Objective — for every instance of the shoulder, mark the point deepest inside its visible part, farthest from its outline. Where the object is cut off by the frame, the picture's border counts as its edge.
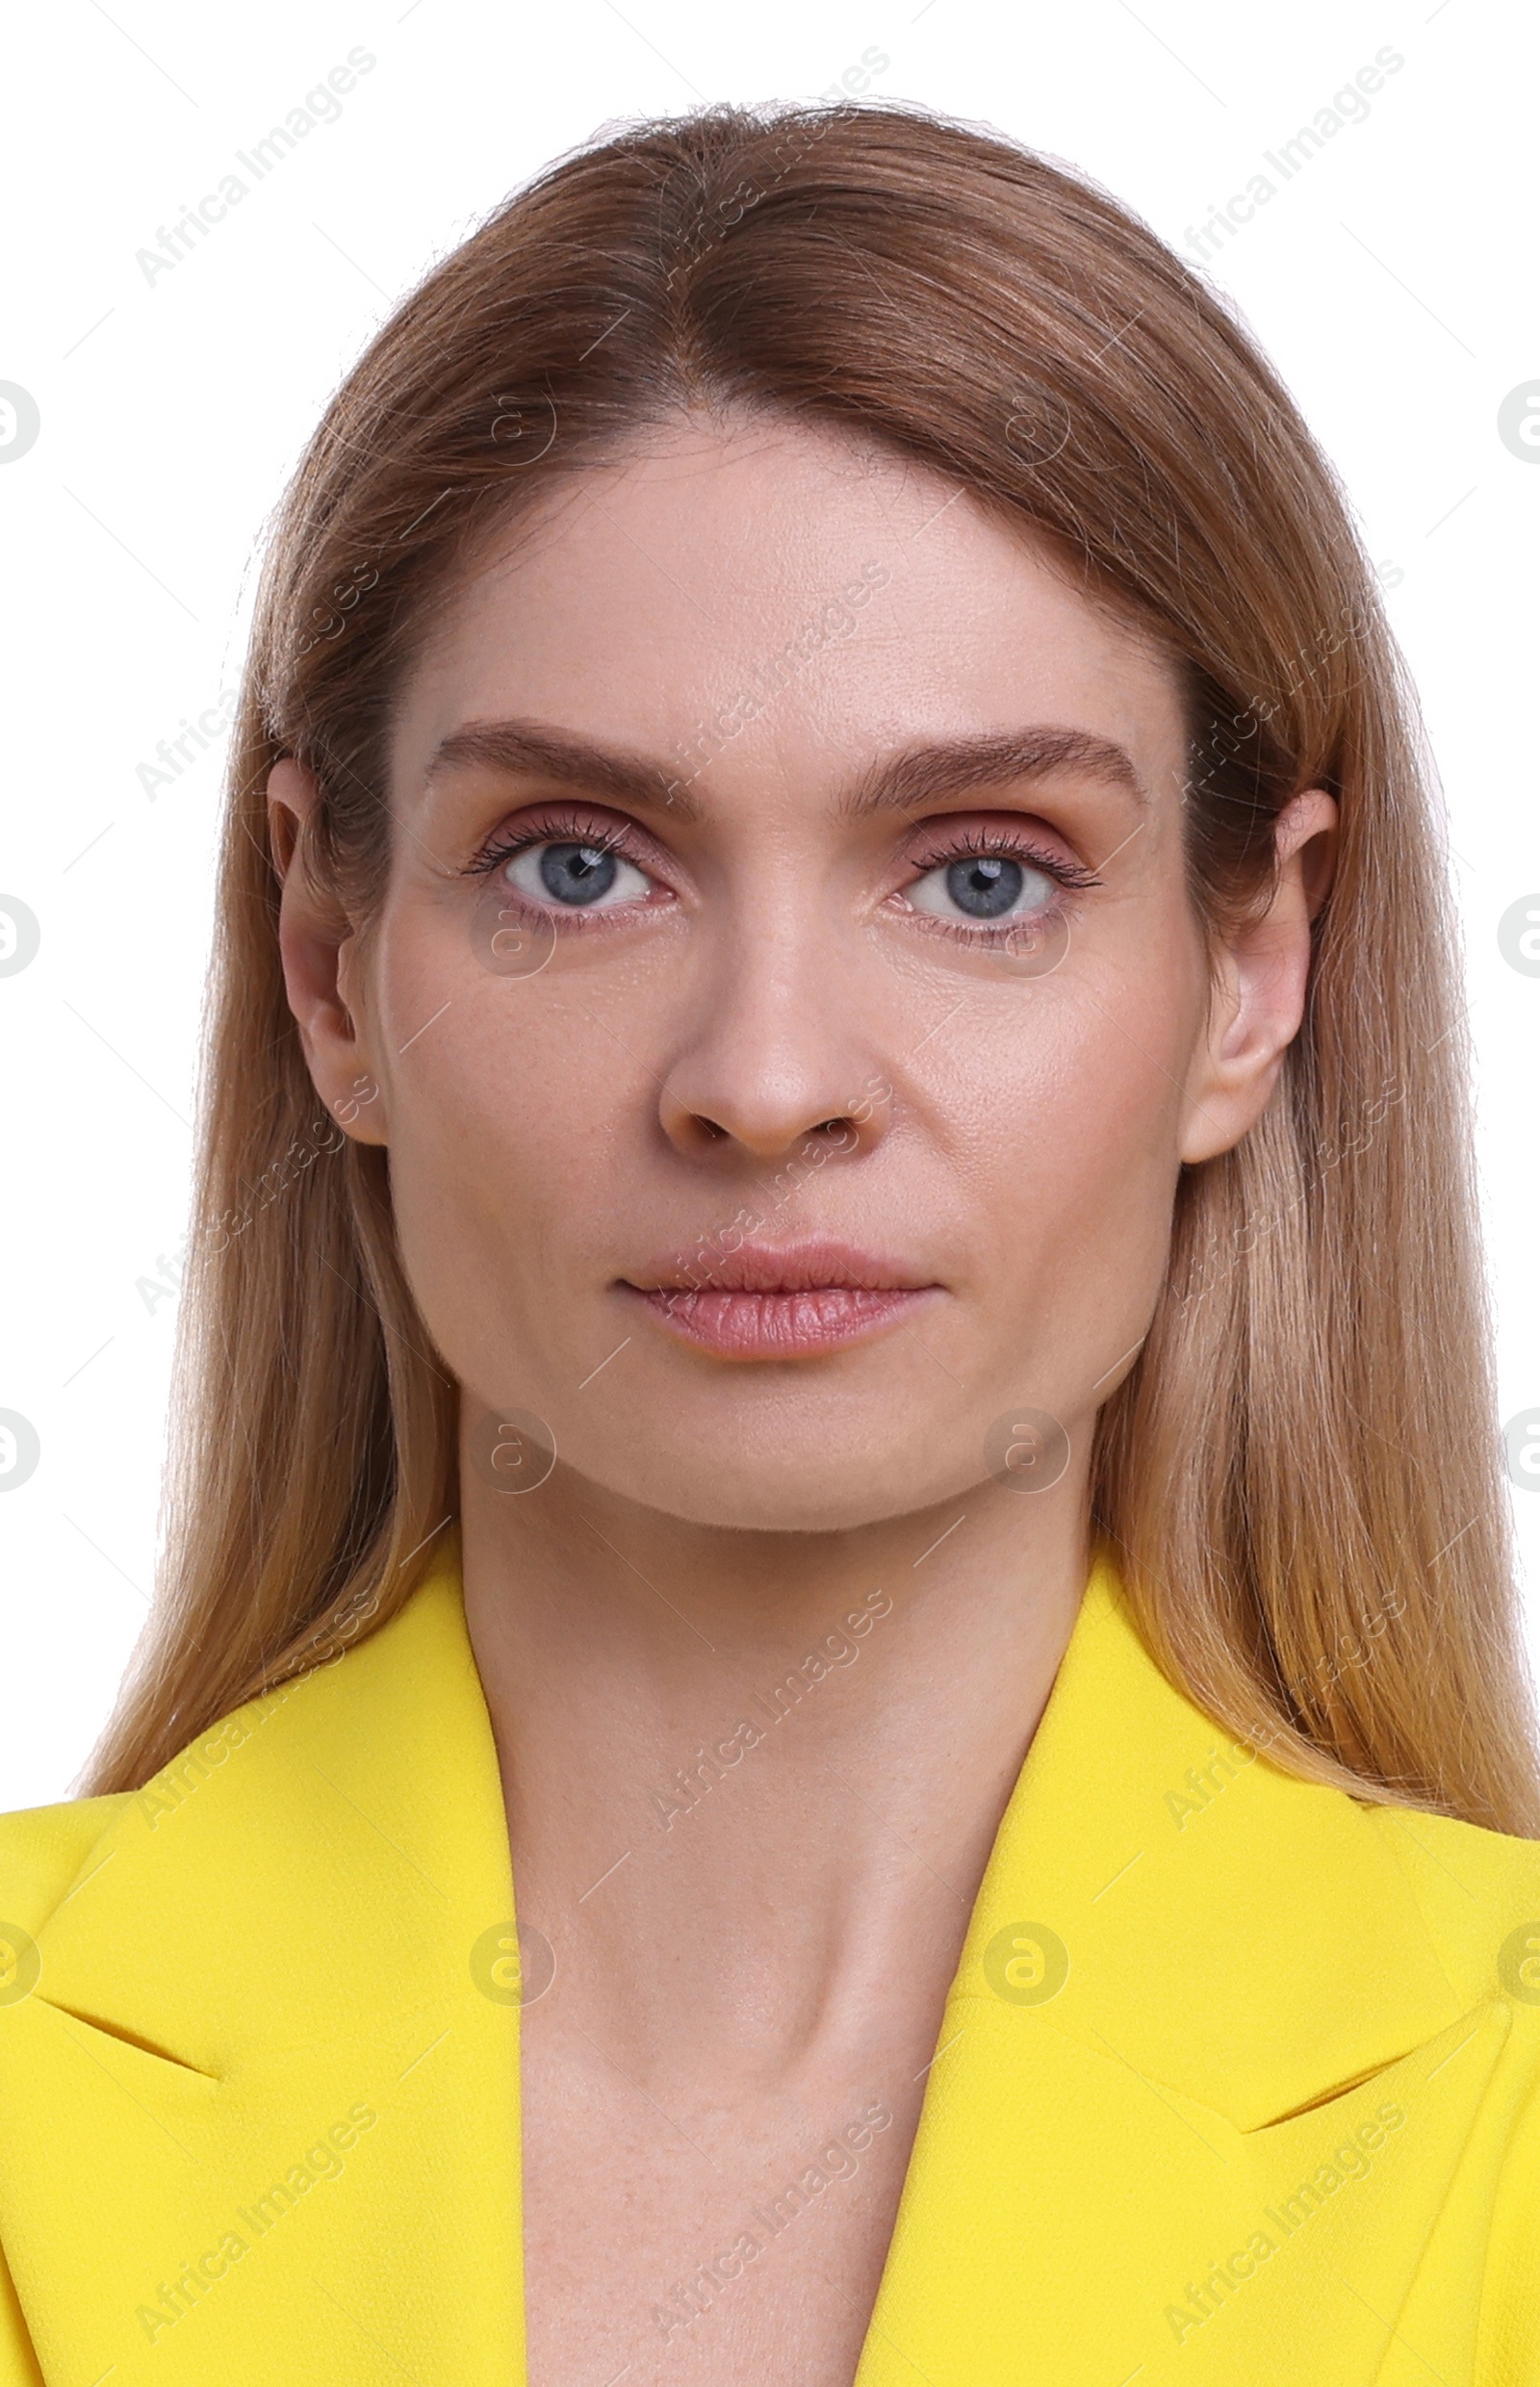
(45, 1851)
(1478, 1894)
(375, 1689)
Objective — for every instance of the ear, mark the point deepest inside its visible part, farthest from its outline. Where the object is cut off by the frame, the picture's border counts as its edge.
(1259, 999)
(319, 945)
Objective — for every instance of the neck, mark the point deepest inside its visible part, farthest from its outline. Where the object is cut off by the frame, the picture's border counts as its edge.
(752, 1780)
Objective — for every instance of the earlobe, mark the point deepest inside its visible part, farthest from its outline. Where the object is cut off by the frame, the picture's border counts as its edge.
(315, 939)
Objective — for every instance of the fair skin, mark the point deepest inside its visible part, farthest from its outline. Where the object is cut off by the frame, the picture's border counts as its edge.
(774, 1022)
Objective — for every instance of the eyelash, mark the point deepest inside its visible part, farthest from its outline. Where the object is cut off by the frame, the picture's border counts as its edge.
(1069, 878)
(553, 829)
(557, 828)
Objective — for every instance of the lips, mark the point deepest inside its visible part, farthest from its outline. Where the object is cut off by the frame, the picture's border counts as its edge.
(779, 1301)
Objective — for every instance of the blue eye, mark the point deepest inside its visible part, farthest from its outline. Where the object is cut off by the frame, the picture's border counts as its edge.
(574, 875)
(577, 874)
(983, 888)
(986, 886)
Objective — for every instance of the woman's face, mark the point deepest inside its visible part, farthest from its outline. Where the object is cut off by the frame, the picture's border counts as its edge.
(787, 1015)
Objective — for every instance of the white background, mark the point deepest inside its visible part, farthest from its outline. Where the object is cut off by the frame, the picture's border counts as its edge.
(1391, 279)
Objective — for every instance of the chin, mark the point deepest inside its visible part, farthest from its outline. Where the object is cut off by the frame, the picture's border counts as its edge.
(781, 1487)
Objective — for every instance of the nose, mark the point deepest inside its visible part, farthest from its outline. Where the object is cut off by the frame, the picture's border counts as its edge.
(776, 1054)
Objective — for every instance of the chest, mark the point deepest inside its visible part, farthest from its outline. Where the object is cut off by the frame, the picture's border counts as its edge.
(740, 2237)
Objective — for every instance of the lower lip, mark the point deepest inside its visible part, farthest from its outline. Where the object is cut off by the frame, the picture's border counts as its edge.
(779, 1325)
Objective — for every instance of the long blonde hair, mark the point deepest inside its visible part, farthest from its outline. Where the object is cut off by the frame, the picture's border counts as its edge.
(1299, 1477)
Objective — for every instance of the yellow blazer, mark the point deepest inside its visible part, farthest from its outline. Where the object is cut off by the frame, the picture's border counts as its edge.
(1236, 2082)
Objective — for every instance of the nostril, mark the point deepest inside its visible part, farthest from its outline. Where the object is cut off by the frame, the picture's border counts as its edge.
(700, 1130)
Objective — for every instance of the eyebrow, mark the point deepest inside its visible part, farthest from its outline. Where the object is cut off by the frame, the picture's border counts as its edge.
(907, 782)
(532, 751)
(902, 783)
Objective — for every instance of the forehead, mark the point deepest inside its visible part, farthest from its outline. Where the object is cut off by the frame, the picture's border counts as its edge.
(842, 598)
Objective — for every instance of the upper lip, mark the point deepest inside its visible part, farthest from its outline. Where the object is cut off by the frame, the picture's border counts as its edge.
(779, 1268)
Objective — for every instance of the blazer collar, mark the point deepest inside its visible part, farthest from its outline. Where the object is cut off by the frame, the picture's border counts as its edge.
(308, 1868)
(1177, 1955)
(296, 1915)
(1193, 1889)
(259, 2117)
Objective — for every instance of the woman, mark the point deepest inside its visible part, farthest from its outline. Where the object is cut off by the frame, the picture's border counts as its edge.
(836, 1349)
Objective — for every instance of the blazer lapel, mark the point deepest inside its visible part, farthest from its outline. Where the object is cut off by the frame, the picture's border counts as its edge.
(1175, 1949)
(272, 2039)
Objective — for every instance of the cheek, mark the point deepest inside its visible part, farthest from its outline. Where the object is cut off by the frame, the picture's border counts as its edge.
(1077, 1094)
(504, 1122)
(1068, 1115)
